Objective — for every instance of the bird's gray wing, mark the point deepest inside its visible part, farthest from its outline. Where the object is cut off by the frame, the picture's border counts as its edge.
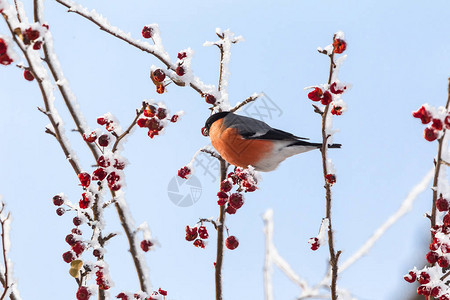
(251, 128)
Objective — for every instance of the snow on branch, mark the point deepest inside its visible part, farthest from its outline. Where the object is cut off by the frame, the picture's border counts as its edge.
(157, 49)
(404, 208)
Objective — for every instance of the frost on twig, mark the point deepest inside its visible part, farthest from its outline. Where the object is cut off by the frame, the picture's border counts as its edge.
(6, 274)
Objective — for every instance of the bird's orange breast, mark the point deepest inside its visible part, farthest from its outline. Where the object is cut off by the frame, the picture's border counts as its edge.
(235, 149)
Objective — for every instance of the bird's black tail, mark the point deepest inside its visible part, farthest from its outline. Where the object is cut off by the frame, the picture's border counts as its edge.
(317, 145)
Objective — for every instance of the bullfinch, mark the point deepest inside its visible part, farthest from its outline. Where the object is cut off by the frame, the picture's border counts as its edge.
(244, 141)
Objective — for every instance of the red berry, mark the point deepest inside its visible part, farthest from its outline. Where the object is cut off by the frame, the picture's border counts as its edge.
(70, 239)
(162, 292)
(154, 124)
(443, 262)
(221, 202)
(222, 195)
(236, 200)
(191, 233)
(103, 162)
(102, 121)
(119, 165)
(3, 46)
(112, 178)
(330, 178)
(174, 119)
(445, 297)
(316, 94)
(327, 98)
(28, 75)
(103, 140)
(84, 203)
(436, 124)
(76, 231)
(145, 245)
(335, 90)
(160, 89)
(423, 115)
(83, 293)
(30, 34)
(45, 26)
(142, 122)
(423, 278)
(226, 186)
(336, 110)
(68, 256)
(162, 113)
(339, 46)
(442, 204)
(447, 122)
(204, 132)
(230, 209)
(203, 233)
(199, 243)
(77, 221)
(184, 172)
(147, 32)
(122, 296)
(182, 55)
(5, 59)
(430, 134)
(435, 291)
(37, 45)
(424, 290)
(180, 71)
(91, 138)
(432, 257)
(315, 244)
(78, 248)
(446, 220)
(60, 211)
(58, 200)
(85, 179)
(99, 174)
(231, 242)
(158, 75)
(150, 111)
(210, 99)
(410, 277)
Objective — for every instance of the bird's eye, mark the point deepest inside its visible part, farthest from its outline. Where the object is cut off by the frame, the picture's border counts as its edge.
(205, 131)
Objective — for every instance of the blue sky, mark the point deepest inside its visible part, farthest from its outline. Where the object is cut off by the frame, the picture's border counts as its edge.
(398, 58)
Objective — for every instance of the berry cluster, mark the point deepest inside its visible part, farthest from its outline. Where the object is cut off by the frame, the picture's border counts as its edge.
(437, 120)
(5, 59)
(156, 295)
(101, 279)
(198, 235)
(430, 278)
(245, 180)
(181, 59)
(155, 119)
(330, 178)
(325, 96)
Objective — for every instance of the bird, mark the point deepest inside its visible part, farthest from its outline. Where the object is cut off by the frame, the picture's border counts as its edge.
(243, 141)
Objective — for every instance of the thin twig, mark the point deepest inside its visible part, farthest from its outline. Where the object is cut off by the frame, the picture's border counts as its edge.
(6, 285)
(123, 36)
(438, 168)
(208, 220)
(220, 237)
(212, 153)
(124, 134)
(246, 101)
(333, 255)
